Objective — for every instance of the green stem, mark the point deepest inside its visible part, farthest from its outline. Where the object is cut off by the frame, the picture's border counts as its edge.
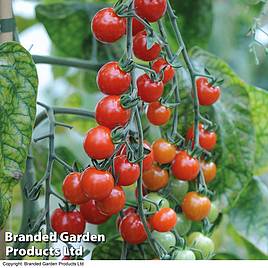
(69, 62)
(61, 110)
(190, 68)
(30, 208)
(175, 119)
(139, 186)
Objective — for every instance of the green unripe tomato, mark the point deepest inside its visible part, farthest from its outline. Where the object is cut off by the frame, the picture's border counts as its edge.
(183, 225)
(179, 189)
(156, 198)
(202, 246)
(183, 255)
(166, 240)
(214, 213)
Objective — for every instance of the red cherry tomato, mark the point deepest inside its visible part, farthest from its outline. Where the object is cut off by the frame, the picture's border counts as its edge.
(132, 229)
(92, 214)
(140, 47)
(98, 143)
(110, 113)
(168, 71)
(71, 222)
(164, 220)
(155, 178)
(148, 90)
(127, 173)
(113, 203)
(185, 167)
(207, 139)
(72, 189)
(209, 170)
(158, 114)
(151, 10)
(137, 26)
(112, 80)
(97, 184)
(164, 152)
(107, 27)
(126, 212)
(195, 206)
(207, 94)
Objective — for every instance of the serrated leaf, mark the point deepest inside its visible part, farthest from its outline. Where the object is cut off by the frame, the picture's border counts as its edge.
(18, 91)
(236, 135)
(250, 216)
(111, 250)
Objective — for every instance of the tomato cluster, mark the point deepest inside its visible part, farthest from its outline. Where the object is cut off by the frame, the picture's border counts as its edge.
(168, 170)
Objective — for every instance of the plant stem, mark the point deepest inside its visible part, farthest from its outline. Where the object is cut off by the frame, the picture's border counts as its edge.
(30, 208)
(190, 68)
(69, 62)
(137, 118)
(62, 110)
(170, 57)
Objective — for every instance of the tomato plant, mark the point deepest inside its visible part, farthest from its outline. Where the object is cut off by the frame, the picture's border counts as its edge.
(174, 155)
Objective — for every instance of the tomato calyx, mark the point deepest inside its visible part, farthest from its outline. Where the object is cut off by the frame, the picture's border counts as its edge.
(67, 207)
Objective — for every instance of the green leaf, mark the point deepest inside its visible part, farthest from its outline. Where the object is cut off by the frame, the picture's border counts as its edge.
(195, 20)
(68, 25)
(235, 151)
(24, 23)
(18, 91)
(259, 111)
(250, 218)
(111, 250)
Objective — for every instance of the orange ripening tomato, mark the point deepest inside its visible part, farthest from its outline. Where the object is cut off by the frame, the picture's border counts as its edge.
(209, 170)
(155, 178)
(164, 152)
(164, 220)
(195, 206)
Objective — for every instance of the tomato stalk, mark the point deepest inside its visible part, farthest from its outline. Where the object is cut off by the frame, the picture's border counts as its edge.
(137, 118)
(82, 64)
